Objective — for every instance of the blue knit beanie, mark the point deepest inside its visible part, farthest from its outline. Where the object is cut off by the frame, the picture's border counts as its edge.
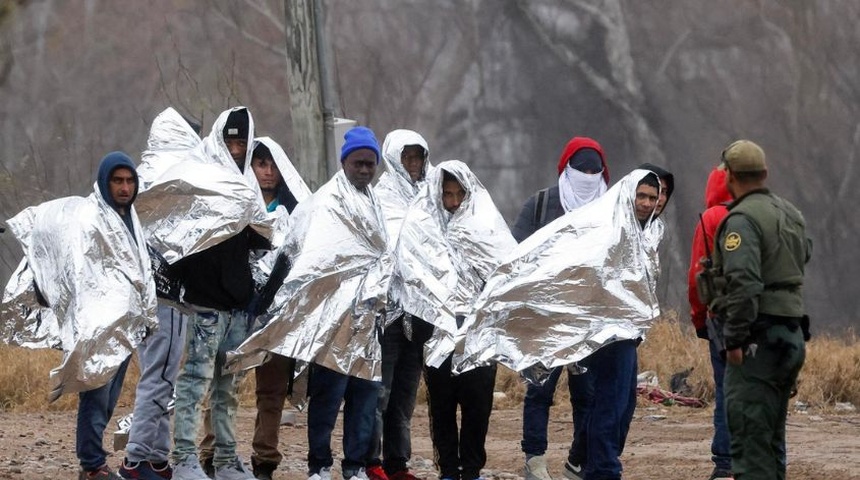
(357, 138)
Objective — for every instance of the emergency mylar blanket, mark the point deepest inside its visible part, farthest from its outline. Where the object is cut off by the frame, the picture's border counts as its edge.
(294, 182)
(443, 259)
(395, 190)
(583, 281)
(327, 309)
(192, 195)
(96, 280)
(26, 323)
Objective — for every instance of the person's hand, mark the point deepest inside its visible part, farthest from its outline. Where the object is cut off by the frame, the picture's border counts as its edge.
(735, 356)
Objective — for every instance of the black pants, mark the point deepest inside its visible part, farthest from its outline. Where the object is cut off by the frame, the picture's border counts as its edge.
(460, 456)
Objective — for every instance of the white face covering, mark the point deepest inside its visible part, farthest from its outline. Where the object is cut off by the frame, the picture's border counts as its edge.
(577, 188)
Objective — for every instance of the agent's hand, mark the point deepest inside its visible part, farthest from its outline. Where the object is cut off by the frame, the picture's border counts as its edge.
(735, 356)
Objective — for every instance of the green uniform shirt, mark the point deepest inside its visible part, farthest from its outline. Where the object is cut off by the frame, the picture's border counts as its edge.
(761, 251)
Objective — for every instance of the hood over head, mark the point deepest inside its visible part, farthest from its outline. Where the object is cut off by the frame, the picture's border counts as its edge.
(716, 191)
(108, 164)
(216, 147)
(393, 146)
(289, 175)
(663, 174)
(578, 143)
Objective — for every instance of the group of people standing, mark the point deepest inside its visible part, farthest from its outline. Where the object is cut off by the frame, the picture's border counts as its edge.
(366, 288)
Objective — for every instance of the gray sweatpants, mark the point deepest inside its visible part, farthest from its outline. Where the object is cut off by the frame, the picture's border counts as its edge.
(159, 356)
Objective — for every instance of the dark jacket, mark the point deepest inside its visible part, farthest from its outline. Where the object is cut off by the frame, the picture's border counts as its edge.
(545, 206)
(220, 276)
(286, 198)
(534, 216)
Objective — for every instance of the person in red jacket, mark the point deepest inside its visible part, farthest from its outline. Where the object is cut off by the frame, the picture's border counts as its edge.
(717, 197)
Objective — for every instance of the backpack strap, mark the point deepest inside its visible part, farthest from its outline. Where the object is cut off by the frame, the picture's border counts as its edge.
(541, 207)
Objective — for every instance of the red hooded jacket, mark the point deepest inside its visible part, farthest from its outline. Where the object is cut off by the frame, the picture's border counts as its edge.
(717, 196)
(577, 143)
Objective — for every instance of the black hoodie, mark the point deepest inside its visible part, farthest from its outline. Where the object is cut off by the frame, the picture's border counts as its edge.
(663, 175)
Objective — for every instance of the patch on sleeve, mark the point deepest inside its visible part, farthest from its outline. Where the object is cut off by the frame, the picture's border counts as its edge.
(733, 241)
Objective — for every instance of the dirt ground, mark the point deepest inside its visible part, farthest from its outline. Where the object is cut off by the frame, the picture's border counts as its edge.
(670, 443)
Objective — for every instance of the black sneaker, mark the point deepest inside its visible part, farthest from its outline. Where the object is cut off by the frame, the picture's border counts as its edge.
(263, 470)
(573, 472)
(208, 467)
(140, 470)
(721, 475)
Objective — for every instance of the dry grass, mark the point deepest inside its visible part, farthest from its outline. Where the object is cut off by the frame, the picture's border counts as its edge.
(831, 373)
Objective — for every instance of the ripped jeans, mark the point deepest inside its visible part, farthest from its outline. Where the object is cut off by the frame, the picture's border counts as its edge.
(210, 336)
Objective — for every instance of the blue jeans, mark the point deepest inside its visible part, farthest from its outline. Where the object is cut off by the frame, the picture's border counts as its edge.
(613, 369)
(327, 389)
(95, 407)
(209, 337)
(721, 452)
(536, 406)
(402, 364)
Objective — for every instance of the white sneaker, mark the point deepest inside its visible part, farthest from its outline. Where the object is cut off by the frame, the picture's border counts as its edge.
(359, 475)
(235, 470)
(324, 474)
(573, 472)
(536, 468)
(189, 469)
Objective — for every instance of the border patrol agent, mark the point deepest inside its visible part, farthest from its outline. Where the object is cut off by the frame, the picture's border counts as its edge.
(759, 259)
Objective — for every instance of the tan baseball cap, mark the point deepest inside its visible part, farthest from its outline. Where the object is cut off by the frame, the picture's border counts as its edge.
(744, 156)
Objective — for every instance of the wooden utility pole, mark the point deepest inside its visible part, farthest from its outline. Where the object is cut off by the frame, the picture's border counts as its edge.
(307, 79)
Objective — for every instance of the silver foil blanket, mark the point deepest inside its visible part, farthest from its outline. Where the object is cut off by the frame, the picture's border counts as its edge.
(192, 194)
(395, 190)
(26, 322)
(263, 262)
(443, 259)
(96, 280)
(328, 310)
(581, 282)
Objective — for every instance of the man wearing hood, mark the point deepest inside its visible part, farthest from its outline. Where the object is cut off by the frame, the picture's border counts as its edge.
(667, 186)
(452, 238)
(717, 198)
(406, 157)
(583, 177)
(218, 288)
(271, 166)
(117, 185)
(275, 190)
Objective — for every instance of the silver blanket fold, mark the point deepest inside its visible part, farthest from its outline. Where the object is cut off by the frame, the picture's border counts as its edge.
(442, 260)
(262, 262)
(585, 280)
(192, 195)
(97, 281)
(395, 190)
(26, 323)
(294, 182)
(327, 309)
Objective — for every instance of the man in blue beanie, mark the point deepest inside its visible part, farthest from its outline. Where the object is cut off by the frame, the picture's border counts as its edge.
(359, 157)
(329, 387)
